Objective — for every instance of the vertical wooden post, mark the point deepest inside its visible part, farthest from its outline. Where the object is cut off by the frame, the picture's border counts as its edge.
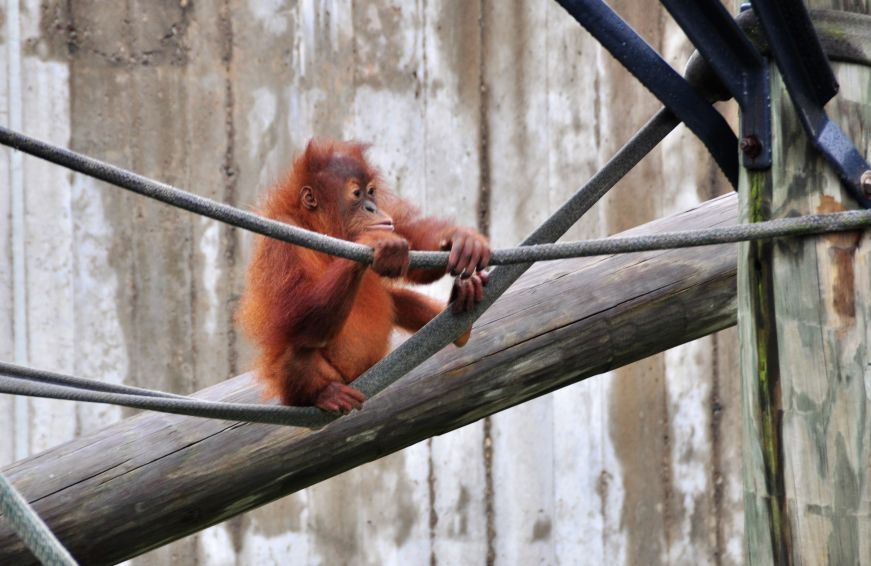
(804, 321)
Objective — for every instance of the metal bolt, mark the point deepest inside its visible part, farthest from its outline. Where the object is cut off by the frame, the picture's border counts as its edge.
(865, 181)
(750, 146)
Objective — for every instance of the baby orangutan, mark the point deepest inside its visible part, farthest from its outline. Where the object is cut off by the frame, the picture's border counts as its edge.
(320, 321)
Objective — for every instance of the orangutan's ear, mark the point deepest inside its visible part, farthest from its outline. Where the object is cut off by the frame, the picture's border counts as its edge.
(307, 195)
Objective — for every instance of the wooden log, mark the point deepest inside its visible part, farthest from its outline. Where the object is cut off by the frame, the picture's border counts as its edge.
(803, 321)
(154, 478)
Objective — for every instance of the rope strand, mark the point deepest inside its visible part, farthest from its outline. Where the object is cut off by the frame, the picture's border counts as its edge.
(32, 530)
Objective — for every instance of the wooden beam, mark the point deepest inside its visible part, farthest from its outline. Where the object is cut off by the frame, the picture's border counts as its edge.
(804, 316)
(154, 478)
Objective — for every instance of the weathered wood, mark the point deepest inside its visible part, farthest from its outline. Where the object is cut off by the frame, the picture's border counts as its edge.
(154, 478)
(803, 320)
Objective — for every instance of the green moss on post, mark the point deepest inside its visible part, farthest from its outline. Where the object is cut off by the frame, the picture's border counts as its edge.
(804, 316)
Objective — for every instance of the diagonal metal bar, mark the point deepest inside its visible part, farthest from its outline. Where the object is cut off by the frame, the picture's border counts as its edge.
(796, 47)
(811, 83)
(738, 65)
(657, 76)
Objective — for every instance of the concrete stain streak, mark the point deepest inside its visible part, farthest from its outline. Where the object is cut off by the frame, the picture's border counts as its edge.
(716, 476)
(483, 207)
(431, 495)
(489, 493)
(229, 168)
(229, 236)
(483, 131)
(667, 472)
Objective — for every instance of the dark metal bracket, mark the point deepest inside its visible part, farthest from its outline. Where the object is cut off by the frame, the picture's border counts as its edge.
(665, 83)
(744, 73)
(738, 65)
(811, 83)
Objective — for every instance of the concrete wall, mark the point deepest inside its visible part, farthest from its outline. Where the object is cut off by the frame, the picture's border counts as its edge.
(490, 112)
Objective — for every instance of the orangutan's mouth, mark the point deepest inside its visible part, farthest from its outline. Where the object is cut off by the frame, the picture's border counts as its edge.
(387, 225)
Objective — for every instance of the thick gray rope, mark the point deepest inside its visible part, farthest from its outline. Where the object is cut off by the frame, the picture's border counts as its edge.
(20, 380)
(769, 229)
(32, 530)
(182, 199)
(51, 378)
(243, 412)
(237, 217)
(431, 338)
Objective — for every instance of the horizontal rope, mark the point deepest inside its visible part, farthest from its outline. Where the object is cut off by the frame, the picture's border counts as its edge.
(419, 259)
(30, 527)
(778, 228)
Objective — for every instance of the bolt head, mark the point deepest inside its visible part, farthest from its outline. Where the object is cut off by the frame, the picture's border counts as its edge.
(750, 146)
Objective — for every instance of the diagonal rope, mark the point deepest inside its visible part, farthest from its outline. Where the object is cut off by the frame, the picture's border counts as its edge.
(182, 199)
(427, 341)
(447, 326)
(32, 530)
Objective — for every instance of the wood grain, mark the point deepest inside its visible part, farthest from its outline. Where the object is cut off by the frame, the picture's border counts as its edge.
(154, 478)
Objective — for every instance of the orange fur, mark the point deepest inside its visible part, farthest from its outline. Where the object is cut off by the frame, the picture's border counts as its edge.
(317, 319)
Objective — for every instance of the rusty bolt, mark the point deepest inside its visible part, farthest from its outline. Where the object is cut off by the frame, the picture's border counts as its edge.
(750, 146)
(865, 181)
